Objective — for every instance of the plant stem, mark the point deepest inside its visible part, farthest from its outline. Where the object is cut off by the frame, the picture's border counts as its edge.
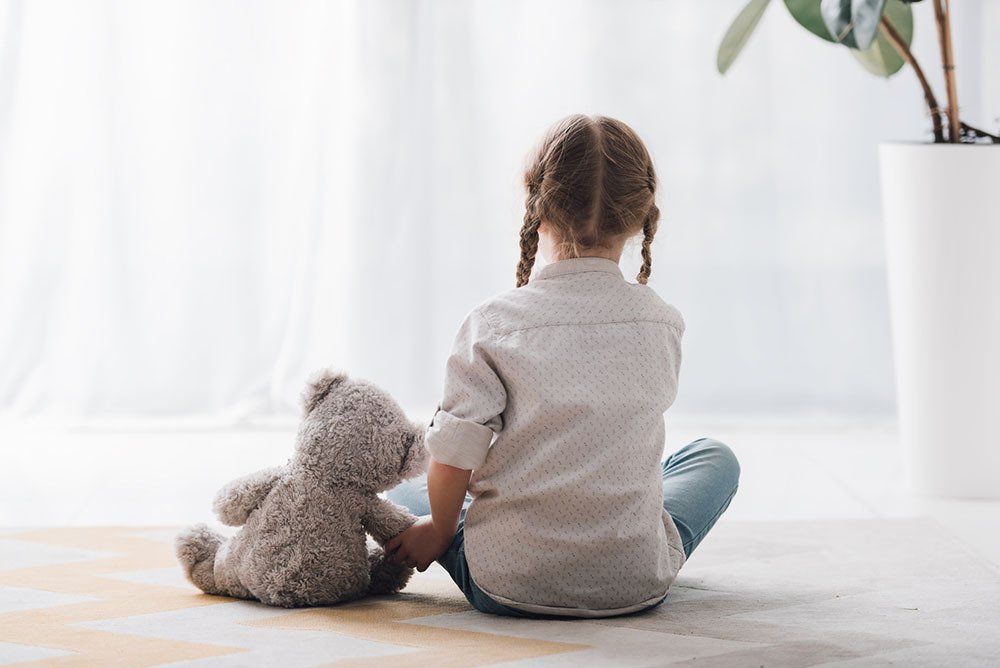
(942, 17)
(899, 44)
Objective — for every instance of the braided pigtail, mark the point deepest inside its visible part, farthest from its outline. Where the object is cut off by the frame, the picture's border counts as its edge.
(529, 247)
(648, 230)
(649, 225)
(532, 221)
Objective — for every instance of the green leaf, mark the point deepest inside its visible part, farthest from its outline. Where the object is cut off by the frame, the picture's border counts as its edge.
(739, 32)
(807, 13)
(853, 23)
(881, 57)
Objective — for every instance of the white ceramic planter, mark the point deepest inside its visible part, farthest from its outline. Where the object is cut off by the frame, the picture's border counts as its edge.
(941, 205)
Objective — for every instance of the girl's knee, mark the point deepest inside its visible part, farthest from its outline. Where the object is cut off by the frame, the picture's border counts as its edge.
(412, 495)
(722, 457)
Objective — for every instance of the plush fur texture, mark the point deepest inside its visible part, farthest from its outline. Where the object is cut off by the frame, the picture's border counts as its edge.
(303, 537)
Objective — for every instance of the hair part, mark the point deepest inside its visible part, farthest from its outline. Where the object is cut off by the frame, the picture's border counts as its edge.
(592, 182)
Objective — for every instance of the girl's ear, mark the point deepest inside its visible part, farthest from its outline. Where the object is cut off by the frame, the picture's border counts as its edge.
(318, 387)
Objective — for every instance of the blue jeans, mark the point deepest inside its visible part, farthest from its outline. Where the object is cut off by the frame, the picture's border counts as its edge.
(699, 481)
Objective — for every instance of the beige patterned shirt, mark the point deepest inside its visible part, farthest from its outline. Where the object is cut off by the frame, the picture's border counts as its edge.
(554, 396)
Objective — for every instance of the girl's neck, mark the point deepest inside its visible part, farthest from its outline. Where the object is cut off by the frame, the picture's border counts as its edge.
(552, 249)
(613, 254)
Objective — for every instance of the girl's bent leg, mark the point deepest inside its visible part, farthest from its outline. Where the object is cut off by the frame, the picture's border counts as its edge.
(699, 481)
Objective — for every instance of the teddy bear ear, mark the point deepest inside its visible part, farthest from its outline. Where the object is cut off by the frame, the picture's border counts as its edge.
(320, 385)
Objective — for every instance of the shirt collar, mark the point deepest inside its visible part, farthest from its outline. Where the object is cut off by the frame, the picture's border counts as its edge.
(578, 265)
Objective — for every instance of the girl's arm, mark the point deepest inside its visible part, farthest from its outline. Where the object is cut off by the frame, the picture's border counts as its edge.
(446, 486)
(430, 536)
(458, 440)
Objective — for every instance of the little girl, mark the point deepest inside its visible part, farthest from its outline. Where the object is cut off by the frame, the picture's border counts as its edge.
(552, 416)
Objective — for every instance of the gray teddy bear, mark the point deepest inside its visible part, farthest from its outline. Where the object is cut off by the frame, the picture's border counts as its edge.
(303, 539)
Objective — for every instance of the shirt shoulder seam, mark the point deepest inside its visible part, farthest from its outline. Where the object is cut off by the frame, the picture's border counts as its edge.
(492, 332)
(575, 273)
(673, 325)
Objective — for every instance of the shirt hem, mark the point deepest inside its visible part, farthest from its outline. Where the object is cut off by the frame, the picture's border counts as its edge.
(559, 611)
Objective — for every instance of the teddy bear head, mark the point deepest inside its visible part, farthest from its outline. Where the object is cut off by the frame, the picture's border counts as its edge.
(355, 434)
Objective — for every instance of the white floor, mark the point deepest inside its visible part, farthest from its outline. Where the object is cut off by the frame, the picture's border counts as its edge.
(791, 472)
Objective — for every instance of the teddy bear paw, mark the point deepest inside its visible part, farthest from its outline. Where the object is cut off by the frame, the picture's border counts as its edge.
(196, 547)
(387, 577)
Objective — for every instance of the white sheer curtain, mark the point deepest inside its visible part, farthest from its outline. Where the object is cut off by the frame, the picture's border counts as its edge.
(201, 202)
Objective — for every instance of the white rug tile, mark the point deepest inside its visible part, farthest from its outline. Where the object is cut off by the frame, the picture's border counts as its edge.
(15, 653)
(164, 577)
(17, 599)
(22, 554)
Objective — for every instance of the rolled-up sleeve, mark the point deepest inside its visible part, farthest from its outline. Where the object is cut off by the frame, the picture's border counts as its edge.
(474, 399)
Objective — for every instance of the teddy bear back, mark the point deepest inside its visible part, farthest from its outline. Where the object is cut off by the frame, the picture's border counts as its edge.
(355, 434)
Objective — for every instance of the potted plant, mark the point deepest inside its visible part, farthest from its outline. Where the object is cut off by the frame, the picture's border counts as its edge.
(942, 217)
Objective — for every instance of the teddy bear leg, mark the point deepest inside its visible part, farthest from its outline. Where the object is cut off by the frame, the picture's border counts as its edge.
(387, 577)
(196, 547)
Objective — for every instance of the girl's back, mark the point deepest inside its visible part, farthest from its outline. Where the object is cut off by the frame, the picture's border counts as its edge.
(588, 363)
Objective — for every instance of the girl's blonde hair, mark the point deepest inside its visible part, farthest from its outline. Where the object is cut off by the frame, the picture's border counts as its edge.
(592, 181)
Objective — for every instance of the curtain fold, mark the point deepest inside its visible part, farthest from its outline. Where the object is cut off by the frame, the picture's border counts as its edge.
(201, 203)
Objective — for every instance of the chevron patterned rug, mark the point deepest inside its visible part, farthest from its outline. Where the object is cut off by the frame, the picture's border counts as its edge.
(850, 593)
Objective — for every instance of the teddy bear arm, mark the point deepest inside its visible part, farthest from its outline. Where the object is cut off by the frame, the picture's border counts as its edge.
(234, 502)
(383, 519)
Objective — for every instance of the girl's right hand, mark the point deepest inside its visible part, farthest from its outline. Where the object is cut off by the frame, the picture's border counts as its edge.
(419, 545)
